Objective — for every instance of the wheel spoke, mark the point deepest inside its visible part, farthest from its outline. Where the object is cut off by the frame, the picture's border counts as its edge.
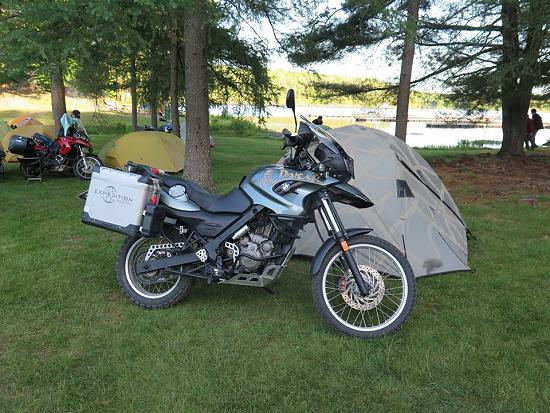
(382, 272)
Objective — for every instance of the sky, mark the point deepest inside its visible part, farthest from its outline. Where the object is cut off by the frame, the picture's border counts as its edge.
(364, 64)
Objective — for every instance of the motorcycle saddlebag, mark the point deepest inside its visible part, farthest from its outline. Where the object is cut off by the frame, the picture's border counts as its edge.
(20, 145)
(117, 200)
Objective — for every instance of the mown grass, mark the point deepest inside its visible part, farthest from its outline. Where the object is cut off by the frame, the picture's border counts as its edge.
(70, 341)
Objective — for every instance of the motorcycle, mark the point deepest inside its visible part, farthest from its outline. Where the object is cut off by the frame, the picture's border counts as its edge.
(66, 153)
(362, 285)
(163, 128)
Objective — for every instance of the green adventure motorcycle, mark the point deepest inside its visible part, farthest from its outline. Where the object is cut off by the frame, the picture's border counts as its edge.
(362, 285)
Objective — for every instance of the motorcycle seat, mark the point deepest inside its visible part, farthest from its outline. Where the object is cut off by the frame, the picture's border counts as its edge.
(234, 202)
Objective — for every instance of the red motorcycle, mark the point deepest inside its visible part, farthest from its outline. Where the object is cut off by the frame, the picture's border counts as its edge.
(65, 154)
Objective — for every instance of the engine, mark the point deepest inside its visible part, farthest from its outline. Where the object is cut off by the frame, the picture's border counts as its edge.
(260, 241)
(252, 245)
(252, 249)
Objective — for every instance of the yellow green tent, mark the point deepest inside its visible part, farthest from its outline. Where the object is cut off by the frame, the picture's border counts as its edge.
(157, 149)
(4, 128)
(26, 131)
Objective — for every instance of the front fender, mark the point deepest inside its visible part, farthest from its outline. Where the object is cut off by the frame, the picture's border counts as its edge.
(328, 244)
(83, 143)
(348, 194)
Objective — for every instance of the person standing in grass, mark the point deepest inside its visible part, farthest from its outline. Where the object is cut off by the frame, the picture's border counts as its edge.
(537, 125)
(530, 128)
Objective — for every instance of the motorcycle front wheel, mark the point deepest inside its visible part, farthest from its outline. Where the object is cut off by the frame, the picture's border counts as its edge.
(155, 289)
(83, 167)
(390, 279)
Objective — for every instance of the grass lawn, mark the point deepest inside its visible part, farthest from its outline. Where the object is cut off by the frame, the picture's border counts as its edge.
(70, 341)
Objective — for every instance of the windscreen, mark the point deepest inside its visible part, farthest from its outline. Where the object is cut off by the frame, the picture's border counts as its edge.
(322, 136)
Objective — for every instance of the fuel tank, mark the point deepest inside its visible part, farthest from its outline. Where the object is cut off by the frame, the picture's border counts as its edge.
(260, 185)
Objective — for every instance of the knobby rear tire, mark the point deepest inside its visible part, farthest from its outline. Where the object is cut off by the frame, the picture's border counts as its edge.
(127, 257)
(337, 299)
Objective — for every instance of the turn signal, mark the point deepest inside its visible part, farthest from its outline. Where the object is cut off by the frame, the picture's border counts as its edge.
(154, 199)
(344, 245)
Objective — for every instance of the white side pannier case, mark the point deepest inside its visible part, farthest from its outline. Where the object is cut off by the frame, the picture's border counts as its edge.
(116, 200)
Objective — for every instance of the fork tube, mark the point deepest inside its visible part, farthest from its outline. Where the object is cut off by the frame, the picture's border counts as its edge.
(82, 156)
(331, 217)
(325, 221)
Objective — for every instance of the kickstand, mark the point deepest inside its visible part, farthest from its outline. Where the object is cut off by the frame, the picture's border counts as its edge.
(270, 291)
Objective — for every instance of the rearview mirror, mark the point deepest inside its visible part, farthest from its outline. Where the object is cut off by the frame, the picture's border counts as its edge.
(291, 104)
(290, 99)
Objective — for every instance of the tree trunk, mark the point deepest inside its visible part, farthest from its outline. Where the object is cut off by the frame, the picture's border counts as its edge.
(154, 112)
(515, 108)
(174, 60)
(153, 92)
(516, 91)
(197, 148)
(57, 96)
(133, 91)
(407, 60)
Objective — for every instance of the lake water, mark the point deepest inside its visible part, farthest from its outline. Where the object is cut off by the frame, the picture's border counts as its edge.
(418, 135)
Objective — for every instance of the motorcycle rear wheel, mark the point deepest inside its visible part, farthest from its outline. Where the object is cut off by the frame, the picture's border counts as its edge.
(31, 169)
(83, 167)
(392, 289)
(152, 290)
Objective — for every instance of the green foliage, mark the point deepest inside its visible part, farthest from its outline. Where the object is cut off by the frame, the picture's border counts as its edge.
(116, 128)
(341, 90)
(340, 30)
(238, 72)
(475, 60)
(95, 43)
(37, 35)
(235, 126)
(479, 143)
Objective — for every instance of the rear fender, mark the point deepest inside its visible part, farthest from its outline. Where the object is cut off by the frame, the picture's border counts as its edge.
(328, 244)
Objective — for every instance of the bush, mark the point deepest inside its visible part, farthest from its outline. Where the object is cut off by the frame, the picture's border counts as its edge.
(477, 144)
(118, 128)
(227, 125)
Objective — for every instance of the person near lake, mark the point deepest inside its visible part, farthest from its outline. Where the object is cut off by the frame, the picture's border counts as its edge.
(537, 125)
(530, 128)
(318, 120)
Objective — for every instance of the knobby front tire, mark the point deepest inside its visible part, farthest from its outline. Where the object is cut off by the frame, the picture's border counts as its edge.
(392, 289)
(83, 167)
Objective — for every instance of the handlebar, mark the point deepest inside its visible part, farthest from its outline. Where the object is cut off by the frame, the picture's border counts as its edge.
(290, 140)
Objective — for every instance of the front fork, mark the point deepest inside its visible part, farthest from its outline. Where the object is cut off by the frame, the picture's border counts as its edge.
(81, 153)
(336, 229)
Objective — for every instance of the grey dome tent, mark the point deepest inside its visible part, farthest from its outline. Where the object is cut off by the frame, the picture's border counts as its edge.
(412, 208)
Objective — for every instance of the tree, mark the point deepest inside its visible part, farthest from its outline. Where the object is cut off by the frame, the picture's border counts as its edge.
(490, 51)
(174, 69)
(365, 24)
(34, 47)
(113, 48)
(197, 157)
(407, 59)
